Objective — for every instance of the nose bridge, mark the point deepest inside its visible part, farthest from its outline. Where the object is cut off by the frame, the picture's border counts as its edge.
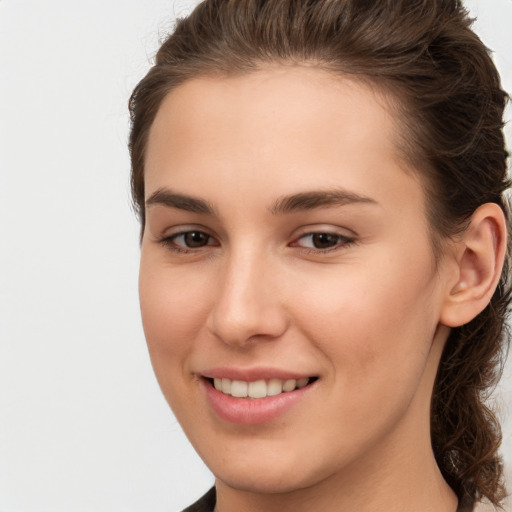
(247, 303)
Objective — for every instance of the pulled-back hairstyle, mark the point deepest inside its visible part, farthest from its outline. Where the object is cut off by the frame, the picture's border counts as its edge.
(447, 100)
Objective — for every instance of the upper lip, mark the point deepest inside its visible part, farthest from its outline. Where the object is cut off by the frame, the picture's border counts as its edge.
(253, 374)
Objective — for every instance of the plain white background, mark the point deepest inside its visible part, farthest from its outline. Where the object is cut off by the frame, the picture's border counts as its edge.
(83, 426)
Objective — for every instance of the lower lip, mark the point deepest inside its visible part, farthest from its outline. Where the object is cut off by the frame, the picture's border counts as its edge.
(246, 411)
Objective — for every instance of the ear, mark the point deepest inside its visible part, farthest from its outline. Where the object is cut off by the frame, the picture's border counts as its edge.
(480, 254)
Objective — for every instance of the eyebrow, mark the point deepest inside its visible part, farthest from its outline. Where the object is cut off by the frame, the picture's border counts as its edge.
(317, 199)
(302, 201)
(171, 199)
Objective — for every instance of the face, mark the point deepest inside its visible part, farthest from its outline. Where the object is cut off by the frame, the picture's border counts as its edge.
(289, 294)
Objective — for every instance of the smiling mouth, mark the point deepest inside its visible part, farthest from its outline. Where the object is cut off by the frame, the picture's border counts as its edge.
(259, 388)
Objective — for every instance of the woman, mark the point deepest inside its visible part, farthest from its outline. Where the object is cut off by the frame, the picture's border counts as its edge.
(323, 276)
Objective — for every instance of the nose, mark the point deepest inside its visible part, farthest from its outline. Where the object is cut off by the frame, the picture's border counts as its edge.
(248, 303)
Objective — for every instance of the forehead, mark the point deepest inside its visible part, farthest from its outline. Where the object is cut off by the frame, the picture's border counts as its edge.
(288, 128)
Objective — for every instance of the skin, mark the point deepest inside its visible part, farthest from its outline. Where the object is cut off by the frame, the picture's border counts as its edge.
(365, 316)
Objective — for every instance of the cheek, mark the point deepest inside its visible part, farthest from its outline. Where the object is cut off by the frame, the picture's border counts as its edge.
(173, 309)
(375, 327)
(377, 345)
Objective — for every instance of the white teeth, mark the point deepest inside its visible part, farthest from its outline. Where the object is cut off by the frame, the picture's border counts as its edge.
(289, 385)
(239, 388)
(274, 387)
(226, 386)
(258, 388)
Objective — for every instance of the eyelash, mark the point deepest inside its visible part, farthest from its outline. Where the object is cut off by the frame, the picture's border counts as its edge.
(342, 242)
(170, 241)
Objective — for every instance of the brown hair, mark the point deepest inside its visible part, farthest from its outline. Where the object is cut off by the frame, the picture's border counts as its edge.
(449, 103)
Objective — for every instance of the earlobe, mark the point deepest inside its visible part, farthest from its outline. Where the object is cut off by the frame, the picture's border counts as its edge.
(480, 257)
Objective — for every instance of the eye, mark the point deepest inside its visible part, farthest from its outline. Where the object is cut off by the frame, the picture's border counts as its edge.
(189, 240)
(192, 239)
(323, 241)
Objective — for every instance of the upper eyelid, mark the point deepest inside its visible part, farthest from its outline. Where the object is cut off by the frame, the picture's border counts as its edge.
(312, 233)
(180, 229)
(326, 231)
(324, 228)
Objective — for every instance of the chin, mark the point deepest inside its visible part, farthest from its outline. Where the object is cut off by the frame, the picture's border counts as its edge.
(274, 474)
(278, 482)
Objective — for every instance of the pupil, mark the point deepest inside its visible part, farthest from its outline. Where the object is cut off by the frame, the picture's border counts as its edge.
(196, 239)
(324, 240)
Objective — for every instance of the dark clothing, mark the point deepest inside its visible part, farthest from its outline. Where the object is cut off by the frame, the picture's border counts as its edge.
(204, 504)
(207, 503)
